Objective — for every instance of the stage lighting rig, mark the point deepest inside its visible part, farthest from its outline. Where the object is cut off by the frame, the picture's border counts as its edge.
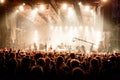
(2, 1)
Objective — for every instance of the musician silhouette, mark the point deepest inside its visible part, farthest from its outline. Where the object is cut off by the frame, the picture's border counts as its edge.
(35, 46)
(83, 48)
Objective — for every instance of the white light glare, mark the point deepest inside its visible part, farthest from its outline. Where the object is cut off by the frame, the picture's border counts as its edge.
(56, 28)
(23, 4)
(70, 11)
(75, 28)
(2, 1)
(87, 8)
(51, 27)
(66, 27)
(35, 36)
(92, 12)
(104, 0)
(35, 11)
(80, 3)
(21, 8)
(60, 28)
(17, 11)
(80, 27)
(98, 38)
(42, 7)
(64, 6)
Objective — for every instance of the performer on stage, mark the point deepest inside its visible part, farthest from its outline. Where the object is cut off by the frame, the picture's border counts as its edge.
(35, 46)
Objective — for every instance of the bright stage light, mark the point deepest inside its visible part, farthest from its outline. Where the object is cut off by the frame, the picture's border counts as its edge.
(42, 7)
(2, 1)
(21, 8)
(93, 31)
(86, 32)
(36, 36)
(75, 28)
(80, 3)
(98, 36)
(80, 27)
(70, 11)
(51, 27)
(70, 36)
(66, 27)
(56, 28)
(64, 6)
(35, 11)
(92, 12)
(23, 4)
(71, 28)
(104, 0)
(87, 8)
(71, 33)
(60, 28)
(17, 11)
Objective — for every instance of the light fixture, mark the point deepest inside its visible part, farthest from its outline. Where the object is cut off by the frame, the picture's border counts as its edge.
(104, 0)
(64, 6)
(42, 7)
(87, 8)
(80, 3)
(92, 12)
(35, 11)
(23, 4)
(21, 8)
(2, 1)
(70, 11)
(17, 11)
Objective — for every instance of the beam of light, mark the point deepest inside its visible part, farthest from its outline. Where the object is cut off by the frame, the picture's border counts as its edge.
(75, 28)
(87, 8)
(93, 31)
(71, 17)
(92, 12)
(80, 27)
(34, 12)
(42, 7)
(98, 36)
(71, 28)
(56, 28)
(51, 27)
(70, 36)
(86, 33)
(60, 28)
(66, 27)
(70, 11)
(94, 16)
(104, 0)
(36, 36)
(64, 6)
(23, 4)
(21, 8)
(17, 11)
(80, 4)
(2, 1)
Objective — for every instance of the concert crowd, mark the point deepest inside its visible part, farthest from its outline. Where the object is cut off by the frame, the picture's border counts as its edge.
(40, 65)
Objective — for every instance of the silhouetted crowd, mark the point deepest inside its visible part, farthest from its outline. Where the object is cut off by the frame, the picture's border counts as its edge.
(31, 65)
